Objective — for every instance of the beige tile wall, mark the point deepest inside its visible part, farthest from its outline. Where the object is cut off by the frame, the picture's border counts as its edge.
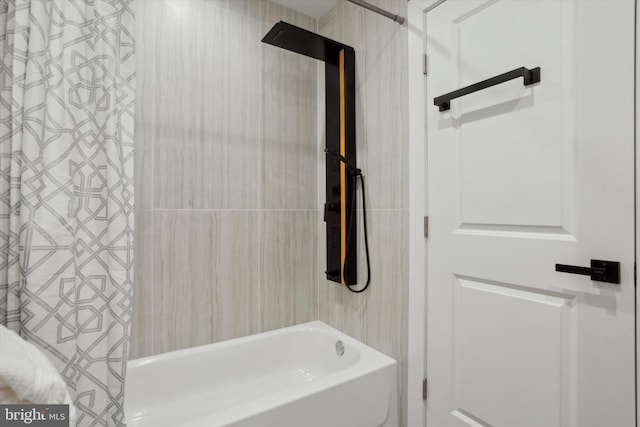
(226, 175)
(289, 105)
(230, 176)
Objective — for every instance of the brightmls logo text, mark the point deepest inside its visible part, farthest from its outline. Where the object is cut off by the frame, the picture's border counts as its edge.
(34, 415)
(26, 416)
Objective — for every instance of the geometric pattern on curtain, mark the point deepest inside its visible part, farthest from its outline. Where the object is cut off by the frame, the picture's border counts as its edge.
(67, 93)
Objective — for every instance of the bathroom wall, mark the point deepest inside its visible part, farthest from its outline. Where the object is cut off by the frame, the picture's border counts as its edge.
(378, 316)
(230, 176)
(226, 183)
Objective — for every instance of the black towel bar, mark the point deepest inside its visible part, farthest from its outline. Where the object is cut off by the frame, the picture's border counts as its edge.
(530, 76)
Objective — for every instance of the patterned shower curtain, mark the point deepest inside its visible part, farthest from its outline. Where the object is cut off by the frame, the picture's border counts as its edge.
(67, 83)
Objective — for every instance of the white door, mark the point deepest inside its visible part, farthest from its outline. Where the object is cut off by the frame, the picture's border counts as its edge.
(521, 178)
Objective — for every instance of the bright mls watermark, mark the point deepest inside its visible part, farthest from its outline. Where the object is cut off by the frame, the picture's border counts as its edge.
(34, 415)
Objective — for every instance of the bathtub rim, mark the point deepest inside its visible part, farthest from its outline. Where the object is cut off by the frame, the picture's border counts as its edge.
(371, 353)
(370, 362)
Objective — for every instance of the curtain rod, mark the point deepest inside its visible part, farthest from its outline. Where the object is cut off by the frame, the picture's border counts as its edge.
(376, 9)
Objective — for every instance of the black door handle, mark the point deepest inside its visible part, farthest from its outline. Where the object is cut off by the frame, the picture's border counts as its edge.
(600, 271)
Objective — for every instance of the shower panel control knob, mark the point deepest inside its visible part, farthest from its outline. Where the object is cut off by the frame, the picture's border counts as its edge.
(600, 271)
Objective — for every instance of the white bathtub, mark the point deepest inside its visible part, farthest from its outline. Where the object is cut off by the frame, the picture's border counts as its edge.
(291, 377)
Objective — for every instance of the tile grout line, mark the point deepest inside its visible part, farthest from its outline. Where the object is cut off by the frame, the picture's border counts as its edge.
(316, 313)
(152, 193)
(264, 210)
(261, 155)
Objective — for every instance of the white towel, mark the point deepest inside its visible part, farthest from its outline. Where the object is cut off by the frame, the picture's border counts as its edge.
(28, 376)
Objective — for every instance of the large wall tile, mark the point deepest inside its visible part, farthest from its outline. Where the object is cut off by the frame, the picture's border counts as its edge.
(289, 119)
(385, 299)
(178, 119)
(386, 157)
(206, 267)
(184, 292)
(207, 145)
(142, 321)
(146, 26)
(236, 271)
(387, 307)
(289, 245)
(232, 105)
(289, 129)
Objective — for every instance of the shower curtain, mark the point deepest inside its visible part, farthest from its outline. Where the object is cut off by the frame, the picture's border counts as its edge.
(67, 83)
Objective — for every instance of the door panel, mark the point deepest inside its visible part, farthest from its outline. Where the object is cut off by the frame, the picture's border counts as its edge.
(488, 336)
(521, 178)
(523, 186)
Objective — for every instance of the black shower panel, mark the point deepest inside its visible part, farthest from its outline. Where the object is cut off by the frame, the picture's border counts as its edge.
(340, 212)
